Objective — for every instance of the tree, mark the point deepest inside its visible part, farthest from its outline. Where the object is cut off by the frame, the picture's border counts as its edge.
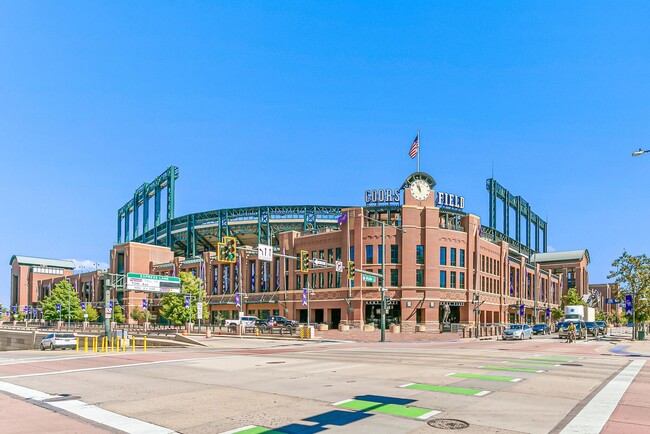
(64, 295)
(93, 315)
(118, 314)
(557, 314)
(601, 316)
(571, 298)
(632, 274)
(173, 305)
(137, 314)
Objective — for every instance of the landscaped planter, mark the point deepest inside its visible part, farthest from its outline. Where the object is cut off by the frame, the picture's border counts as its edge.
(369, 328)
(322, 327)
(420, 328)
(394, 328)
(344, 328)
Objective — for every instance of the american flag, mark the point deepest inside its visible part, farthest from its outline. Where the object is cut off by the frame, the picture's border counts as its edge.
(415, 147)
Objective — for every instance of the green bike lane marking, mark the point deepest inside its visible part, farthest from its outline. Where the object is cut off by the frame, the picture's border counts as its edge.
(447, 389)
(392, 409)
(484, 377)
(507, 368)
(523, 362)
(252, 429)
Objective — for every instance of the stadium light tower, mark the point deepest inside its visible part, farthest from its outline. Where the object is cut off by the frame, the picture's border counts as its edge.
(640, 152)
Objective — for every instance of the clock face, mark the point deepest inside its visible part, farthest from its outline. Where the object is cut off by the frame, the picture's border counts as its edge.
(420, 189)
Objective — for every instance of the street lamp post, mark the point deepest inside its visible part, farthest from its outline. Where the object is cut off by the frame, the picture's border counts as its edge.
(382, 290)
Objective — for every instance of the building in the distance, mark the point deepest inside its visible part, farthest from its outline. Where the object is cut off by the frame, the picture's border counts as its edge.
(438, 261)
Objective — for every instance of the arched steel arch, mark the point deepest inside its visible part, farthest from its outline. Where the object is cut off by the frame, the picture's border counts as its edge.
(192, 234)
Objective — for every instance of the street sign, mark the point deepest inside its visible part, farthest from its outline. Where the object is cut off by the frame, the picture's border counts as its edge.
(83, 305)
(264, 252)
(628, 305)
(152, 283)
(199, 310)
(522, 310)
(187, 301)
(110, 304)
(610, 301)
(58, 307)
(144, 303)
(319, 262)
(339, 266)
(369, 278)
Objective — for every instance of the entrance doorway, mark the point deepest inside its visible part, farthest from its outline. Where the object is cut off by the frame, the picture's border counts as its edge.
(335, 317)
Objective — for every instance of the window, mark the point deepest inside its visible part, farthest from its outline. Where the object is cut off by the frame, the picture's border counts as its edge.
(419, 277)
(443, 256)
(443, 279)
(351, 253)
(338, 280)
(298, 281)
(380, 254)
(462, 257)
(330, 255)
(452, 279)
(461, 280)
(321, 254)
(394, 251)
(313, 280)
(338, 253)
(419, 254)
(482, 263)
(330, 279)
(120, 262)
(369, 254)
(394, 277)
(452, 257)
(321, 280)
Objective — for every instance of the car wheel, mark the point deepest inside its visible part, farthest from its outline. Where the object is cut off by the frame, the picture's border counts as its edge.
(52, 347)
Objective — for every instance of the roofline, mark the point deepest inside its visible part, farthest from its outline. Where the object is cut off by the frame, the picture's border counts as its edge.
(36, 257)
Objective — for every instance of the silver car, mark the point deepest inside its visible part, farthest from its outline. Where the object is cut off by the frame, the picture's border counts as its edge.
(518, 331)
(59, 340)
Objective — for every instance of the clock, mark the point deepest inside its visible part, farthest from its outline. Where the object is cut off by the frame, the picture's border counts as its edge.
(420, 189)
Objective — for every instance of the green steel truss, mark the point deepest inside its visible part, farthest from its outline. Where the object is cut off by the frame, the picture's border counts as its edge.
(141, 199)
(521, 209)
(195, 233)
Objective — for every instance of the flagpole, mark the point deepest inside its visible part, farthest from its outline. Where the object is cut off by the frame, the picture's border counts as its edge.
(418, 150)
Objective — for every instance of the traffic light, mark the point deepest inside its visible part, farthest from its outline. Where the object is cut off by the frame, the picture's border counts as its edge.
(350, 270)
(304, 261)
(386, 299)
(228, 250)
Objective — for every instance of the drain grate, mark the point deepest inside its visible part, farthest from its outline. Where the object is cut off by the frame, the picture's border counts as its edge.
(62, 397)
(448, 424)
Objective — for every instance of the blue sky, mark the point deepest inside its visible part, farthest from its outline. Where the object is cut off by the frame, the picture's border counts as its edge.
(280, 103)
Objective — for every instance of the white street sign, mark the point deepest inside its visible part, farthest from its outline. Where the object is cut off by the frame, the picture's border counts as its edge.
(152, 283)
(339, 266)
(264, 252)
(319, 263)
(199, 310)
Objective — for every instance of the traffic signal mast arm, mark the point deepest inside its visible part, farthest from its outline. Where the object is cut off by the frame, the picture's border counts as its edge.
(297, 258)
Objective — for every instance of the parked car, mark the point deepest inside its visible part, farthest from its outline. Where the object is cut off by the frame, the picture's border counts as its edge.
(276, 321)
(59, 340)
(581, 330)
(601, 327)
(541, 329)
(246, 321)
(518, 331)
(592, 328)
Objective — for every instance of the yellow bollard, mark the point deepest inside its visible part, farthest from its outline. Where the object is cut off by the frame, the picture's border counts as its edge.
(77, 344)
(95, 344)
(144, 344)
(86, 344)
(133, 344)
(105, 344)
(125, 343)
(118, 344)
(112, 344)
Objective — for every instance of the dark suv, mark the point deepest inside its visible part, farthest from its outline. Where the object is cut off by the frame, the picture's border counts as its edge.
(280, 321)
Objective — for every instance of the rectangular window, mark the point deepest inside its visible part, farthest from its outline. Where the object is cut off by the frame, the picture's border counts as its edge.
(351, 253)
(338, 253)
(369, 254)
(321, 280)
(452, 279)
(443, 279)
(330, 255)
(483, 263)
(380, 254)
(298, 281)
(321, 254)
(461, 280)
(452, 257)
(120, 262)
(313, 280)
(394, 277)
(443, 256)
(462, 257)
(330, 279)
(419, 254)
(394, 251)
(419, 277)
(338, 280)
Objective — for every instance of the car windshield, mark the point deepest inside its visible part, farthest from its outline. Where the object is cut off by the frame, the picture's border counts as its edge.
(590, 324)
(516, 327)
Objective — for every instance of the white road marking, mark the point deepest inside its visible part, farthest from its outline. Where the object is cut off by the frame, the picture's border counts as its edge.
(88, 411)
(593, 417)
(99, 368)
(236, 430)
(429, 414)
(483, 393)
(407, 385)
(343, 402)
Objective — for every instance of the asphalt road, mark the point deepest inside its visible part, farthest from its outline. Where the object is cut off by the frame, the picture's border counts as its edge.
(535, 386)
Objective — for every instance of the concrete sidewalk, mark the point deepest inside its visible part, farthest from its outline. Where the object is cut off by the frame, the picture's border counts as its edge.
(632, 414)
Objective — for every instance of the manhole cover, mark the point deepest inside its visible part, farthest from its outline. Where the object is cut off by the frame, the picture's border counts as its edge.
(570, 364)
(448, 424)
(62, 397)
